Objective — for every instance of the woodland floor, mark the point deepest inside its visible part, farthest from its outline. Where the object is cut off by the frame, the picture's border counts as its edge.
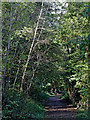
(57, 109)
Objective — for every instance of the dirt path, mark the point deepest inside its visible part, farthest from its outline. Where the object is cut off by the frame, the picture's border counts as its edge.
(57, 108)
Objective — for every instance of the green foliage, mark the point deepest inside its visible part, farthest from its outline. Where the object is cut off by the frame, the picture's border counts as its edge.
(21, 108)
(65, 97)
(74, 37)
(82, 115)
(38, 95)
(58, 59)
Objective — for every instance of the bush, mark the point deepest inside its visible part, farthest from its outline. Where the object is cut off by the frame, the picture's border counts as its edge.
(82, 116)
(39, 96)
(65, 97)
(18, 107)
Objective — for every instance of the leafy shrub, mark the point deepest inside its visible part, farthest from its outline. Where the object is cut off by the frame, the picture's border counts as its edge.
(18, 107)
(82, 116)
(39, 96)
(65, 97)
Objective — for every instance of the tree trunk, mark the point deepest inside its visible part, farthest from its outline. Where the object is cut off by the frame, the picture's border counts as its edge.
(31, 48)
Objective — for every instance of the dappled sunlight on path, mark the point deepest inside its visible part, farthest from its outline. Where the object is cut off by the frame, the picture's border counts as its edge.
(57, 108)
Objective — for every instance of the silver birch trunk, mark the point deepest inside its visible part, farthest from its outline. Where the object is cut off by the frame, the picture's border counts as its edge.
(31, 48)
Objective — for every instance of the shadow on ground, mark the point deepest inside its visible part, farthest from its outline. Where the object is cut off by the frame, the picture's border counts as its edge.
(57, 109)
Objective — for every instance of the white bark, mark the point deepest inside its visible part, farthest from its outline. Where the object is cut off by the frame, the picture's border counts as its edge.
(17, 73)
(31, 48)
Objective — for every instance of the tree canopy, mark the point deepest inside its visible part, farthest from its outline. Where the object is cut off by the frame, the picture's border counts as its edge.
(45, 46)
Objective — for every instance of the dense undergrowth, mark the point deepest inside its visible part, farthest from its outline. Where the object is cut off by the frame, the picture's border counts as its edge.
(19, 107)
(82, 112)
(65, 97)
